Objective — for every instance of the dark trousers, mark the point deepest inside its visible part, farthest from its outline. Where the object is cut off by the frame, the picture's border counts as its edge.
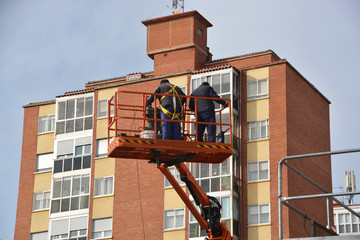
(208, 116)
(171, 130)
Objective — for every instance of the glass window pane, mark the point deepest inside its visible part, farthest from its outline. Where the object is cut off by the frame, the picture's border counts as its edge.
(109, 185)
(225, 183)
(216, 83)
(84, 202)
(79, 124)
(74, 203)
(205, 185)
(66, 187)
(225, 203)
(225, 83)
(55, 206)
(102, 108)
(264, 213)
(42, 124)
(80, 105)
(225, 167)
(37, 201)
(97, 187)
(215, 170)
(85, 184)
(67, 164)
(65, 204)
(70, 108)
(57, 188)
(61, 110)
(169, 219)
(263, 170)
(253, 215)
(76, 186)
(77, 163)
(58, 166)
(60, 127)
(251, 89)
(195, 169)
(88, 106)
(78, 150)
(215, 184)
(86, 161)
(204, 167)
(88, 123)
(179, 218)
(87, 149)
(262, 85)
(69, 126)
(194, 230)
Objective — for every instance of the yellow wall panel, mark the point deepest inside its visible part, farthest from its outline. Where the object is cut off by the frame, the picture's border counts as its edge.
(104, 167)
(258, 192)
(174, 235)
(42, 182)
(180, 81)
(101, 128)
(257, 74)
(45, 143)
(103, 207)
(39, 221)
(258, 110)
(259, 232)
(106, 93)
(172, 199)
(258, 150)
(47, 109)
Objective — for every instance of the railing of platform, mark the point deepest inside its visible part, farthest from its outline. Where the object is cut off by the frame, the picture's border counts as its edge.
(282, 200)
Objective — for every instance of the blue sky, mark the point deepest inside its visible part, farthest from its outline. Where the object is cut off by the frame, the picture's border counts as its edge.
(48, 47)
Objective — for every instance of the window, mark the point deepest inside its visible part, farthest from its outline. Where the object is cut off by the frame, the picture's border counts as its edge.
(39, 236)
(65, 150)
(212, 177)
(69, 228)
(104, 186)
(174, 218)
(44, 162)
(258, 130)
(257, 89)
(194, 227)
(102, 228)
(46, 123)
(103, 107)
(70, 193)
(258, 171)
(74, 115)
(259, 214)
(41, 200)
(101, 147)
(200, 32)
(176, 175)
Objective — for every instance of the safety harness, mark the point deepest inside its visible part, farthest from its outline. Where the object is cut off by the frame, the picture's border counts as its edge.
(173, 92)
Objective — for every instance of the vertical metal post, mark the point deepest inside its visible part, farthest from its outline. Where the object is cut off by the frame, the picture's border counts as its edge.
(280, 201)
(328, 213)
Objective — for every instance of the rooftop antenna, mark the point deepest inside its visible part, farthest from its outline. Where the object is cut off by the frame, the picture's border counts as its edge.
(178, 6)
(350, 183)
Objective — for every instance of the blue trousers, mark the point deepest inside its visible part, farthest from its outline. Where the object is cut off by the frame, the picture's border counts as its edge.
(208, 116)
(171, 130)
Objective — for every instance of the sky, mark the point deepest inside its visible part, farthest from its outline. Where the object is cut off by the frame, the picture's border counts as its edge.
(48, 47)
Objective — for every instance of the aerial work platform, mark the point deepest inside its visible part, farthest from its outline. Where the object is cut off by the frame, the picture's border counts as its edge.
(134, 131)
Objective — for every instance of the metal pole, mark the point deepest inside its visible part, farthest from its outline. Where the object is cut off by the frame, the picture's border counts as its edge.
(280, 201)
(328, 214)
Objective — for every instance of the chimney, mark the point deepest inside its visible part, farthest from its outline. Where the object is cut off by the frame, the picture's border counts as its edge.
(177, 42)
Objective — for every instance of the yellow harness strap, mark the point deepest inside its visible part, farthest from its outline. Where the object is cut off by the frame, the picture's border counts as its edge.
(168, 113)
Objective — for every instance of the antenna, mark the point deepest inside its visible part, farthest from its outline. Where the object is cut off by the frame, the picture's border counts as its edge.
(350, 184)
(178, 6)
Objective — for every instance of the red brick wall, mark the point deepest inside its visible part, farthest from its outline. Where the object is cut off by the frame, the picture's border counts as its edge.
(27, 169)
(158, 35)
(139, 194)
(174, 61)
(308, 128)
(278, 140)
(245, 62)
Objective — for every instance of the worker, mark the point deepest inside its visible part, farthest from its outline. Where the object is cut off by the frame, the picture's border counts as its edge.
(205, 110)
(171, 108)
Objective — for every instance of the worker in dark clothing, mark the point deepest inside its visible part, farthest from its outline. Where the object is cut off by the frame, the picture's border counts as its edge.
(171, 108)
(205, 110)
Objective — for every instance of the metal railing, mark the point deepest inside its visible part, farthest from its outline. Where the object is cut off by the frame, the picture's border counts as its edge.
(283, 200)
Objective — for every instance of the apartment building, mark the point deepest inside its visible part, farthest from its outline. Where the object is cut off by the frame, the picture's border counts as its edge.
(70, 189)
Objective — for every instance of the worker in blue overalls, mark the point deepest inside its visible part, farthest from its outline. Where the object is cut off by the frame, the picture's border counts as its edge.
(171, 108)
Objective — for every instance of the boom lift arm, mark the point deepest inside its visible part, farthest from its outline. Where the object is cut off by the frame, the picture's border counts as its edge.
(209, 219)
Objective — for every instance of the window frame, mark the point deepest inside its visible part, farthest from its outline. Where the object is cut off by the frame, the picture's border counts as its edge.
(39, 170)
(103, 187)
(49, 123)
(258, 171)
(44, 201)
(257, 95)
(258, 214)
(174, 219)
(176, 175)
(257, 127)
(102, 232)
